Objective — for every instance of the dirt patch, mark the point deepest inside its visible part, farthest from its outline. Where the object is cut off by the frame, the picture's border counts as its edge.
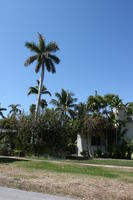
(79, 186)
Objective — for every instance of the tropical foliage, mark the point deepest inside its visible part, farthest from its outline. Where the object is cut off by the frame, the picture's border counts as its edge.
(56, 129)
(64, 103)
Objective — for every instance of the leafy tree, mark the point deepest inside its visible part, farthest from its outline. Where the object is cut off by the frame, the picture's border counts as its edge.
(32, 109)
(95, 103)
(81, 110)
(43, 54)
(113, 101)
(14, 109)
(129, 108)
(43, 104)
(64, 104)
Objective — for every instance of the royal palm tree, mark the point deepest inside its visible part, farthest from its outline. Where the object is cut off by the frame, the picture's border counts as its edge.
(64, 103)
(1, 111)
(14, 109)
(43, 55)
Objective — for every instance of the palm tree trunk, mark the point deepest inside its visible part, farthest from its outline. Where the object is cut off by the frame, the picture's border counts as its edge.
(39, 92)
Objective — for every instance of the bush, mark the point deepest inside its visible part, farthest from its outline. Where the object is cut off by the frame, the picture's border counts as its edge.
(19, 153)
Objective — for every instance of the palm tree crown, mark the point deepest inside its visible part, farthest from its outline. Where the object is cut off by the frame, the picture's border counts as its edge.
(34, 90)
(45, 58)
(64, 103)
(15, 109)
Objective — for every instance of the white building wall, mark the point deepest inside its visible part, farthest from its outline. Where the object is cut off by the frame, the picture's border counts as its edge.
(79, 144)
(82, 141)
(129, 133)
(82, 145)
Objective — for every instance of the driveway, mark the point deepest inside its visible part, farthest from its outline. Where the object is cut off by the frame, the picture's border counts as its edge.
(12, 194)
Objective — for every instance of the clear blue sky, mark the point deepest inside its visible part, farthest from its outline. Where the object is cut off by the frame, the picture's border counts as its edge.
(96, 47)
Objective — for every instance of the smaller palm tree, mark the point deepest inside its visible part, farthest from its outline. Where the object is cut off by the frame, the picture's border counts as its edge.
(81, 110)
(32, 109)
(14, 109)
(1, 112)
(43, 104)
(64, 103)
(34, 90)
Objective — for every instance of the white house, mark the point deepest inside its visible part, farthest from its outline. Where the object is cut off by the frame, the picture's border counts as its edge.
(94, 143)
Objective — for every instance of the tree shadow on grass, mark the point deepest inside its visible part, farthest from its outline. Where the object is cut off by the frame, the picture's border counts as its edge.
(10, 160)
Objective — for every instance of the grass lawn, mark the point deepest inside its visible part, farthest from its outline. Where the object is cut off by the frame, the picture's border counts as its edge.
(71, 167)
(79, 169)
(67, 178)
(101, 161)
(115, 162)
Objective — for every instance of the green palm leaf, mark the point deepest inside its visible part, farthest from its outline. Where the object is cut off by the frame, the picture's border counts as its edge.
(32, 46)
(30, 60)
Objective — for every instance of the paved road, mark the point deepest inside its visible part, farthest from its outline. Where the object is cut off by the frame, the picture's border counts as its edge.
(13, 194)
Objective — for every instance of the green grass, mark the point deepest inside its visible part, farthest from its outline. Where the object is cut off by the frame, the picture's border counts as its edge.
(76, 169)
(115, 162)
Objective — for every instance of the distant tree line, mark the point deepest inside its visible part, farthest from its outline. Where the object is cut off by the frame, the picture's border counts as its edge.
(55, 131)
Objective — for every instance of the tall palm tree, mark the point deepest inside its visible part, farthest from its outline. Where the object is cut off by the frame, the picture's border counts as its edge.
(14, 109)
(64, 103)
(43, 55)
(1, 111)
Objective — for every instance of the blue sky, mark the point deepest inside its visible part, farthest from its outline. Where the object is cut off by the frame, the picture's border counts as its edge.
(96, 47)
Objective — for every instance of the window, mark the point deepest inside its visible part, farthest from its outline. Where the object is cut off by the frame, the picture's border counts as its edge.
(95, 140)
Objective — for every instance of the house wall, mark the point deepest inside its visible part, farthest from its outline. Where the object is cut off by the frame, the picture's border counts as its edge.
(82, 144)
(129, 133)
(120, 115)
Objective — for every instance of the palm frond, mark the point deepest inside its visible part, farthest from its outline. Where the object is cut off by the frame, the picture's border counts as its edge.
(45, 91)
(52, 67)
(30, 60)
(54, 58)
(48, 67)
(58, 95)
(38, 82)
(52, 47)
(54, 102)
(38, 66)
(41, 42)
(32, 46)
(32, 90)
(3, 109)
(1, 114)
